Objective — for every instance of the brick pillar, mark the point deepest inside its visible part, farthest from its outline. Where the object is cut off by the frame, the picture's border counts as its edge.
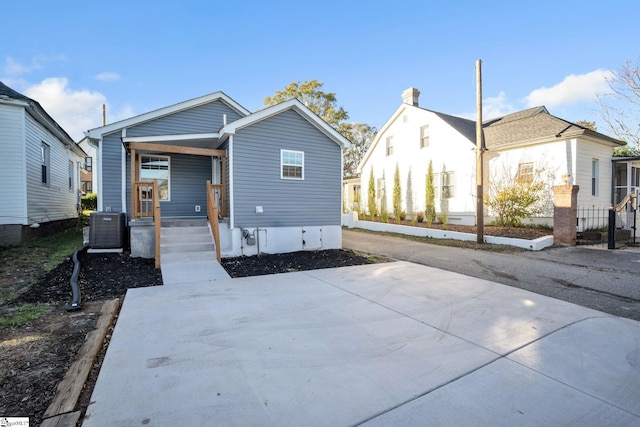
(565, 214)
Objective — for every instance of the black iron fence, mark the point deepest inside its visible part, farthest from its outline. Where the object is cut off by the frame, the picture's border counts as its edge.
(614, 226)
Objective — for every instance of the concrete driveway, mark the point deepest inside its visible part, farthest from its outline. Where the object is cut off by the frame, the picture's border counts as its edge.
(377, 345)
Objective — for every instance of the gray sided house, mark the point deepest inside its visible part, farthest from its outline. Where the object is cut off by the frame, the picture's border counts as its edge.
(275, 174)
(39, 171)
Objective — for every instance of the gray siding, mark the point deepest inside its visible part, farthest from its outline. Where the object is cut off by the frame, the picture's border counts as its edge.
(111, 173)
(200, 119)
(187, 181)
(54, 201)
(13, 192)
(312, 201)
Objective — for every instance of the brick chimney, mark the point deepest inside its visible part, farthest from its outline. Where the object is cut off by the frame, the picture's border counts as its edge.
(410, 96)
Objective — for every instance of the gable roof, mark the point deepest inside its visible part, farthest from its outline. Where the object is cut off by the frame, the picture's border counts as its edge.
(533, 125)
(291, 104)
(97, 133)
(39, 114)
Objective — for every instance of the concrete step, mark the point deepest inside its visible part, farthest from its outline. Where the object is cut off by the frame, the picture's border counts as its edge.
(179, 231)
(186, 238)
(184, 222)
(185, 247)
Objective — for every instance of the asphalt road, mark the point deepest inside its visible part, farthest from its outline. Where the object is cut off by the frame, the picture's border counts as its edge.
(605, 280)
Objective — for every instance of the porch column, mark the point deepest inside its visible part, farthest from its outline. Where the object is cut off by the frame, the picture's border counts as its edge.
(224, 184)
(133, 179)
(565, 214)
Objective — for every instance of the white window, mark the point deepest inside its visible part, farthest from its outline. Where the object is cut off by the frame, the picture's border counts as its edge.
(71, 173)
(389, 145)
(424, 136)
(595, 172)
(381, 187)
(157, 167)
(448, 185)
(44, 164)
(525, 173)
(291, 164)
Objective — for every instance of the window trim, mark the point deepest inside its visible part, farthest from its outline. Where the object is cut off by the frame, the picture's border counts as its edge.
(595, 177)
(448, 194)
(283, 164)
(45, 164)
(161, 157)
(71, 175)
(389, 146)
(523, 176)
(424, 140)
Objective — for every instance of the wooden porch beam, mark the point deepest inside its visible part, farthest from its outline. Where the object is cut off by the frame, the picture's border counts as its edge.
(176, 149)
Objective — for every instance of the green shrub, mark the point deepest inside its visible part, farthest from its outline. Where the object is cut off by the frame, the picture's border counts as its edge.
(420, 216)
(89, 202)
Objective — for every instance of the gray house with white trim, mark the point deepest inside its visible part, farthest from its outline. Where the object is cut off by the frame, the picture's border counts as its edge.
(276, 173)
(39, 171)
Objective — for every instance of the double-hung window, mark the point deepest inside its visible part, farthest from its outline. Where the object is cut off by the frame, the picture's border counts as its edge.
(291, 164)
(44, 164)
(71, 173)
(448, 185)
(389, 145)
(157, 167)
(525, 173)
(595, 171)
(424, 136)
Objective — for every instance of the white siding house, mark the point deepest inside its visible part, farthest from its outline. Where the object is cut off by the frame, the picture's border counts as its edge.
(39, 170)
(529, 141)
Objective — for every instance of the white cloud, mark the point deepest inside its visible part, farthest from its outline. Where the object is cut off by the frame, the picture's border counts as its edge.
(108, 76)
(75, 110)
(573, 89)
(496, 106)
(14, 68)
(492, 107)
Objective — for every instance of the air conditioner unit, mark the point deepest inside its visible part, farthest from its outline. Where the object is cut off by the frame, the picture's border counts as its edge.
(106, 230)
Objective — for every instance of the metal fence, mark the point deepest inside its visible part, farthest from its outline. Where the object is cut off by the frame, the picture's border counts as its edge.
(593, 225)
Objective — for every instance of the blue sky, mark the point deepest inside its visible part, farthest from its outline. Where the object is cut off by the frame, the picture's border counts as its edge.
(136, 56)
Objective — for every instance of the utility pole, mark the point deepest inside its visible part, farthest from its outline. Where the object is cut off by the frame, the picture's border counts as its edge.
(104, 114)
(479, 152)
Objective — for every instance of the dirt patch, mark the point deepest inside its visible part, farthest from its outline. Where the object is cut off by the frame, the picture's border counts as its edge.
(37, 355)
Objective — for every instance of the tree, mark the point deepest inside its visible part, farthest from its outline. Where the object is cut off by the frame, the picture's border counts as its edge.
(397, 195)
(325, 105)
(430, 196)
(360, 135)
(587, 124)
(371, 201)
(620, 107)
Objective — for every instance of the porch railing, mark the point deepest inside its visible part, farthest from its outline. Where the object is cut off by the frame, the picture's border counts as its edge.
(146, 203)
(144, 192)
(213, 190)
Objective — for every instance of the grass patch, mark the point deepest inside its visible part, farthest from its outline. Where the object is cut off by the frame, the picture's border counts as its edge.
(24, 314)
(23, 264)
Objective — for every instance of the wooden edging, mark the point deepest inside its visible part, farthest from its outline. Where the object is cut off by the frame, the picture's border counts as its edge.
(60, 411)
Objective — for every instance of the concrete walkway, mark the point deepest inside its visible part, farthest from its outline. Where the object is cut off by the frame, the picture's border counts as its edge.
(377, 345)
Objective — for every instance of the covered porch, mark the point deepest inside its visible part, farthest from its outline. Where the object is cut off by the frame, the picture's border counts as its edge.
(174, 181)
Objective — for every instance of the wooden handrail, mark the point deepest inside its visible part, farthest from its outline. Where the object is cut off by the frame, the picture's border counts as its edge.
(156, 219)
(212, 213)
(143, 199)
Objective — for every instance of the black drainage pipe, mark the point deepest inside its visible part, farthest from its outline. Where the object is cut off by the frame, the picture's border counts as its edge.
(75, 289)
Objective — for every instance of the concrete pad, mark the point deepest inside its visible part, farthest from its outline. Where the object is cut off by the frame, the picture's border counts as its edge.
(384, 344)
(598, 356)
(505, 394)
(494, 316)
